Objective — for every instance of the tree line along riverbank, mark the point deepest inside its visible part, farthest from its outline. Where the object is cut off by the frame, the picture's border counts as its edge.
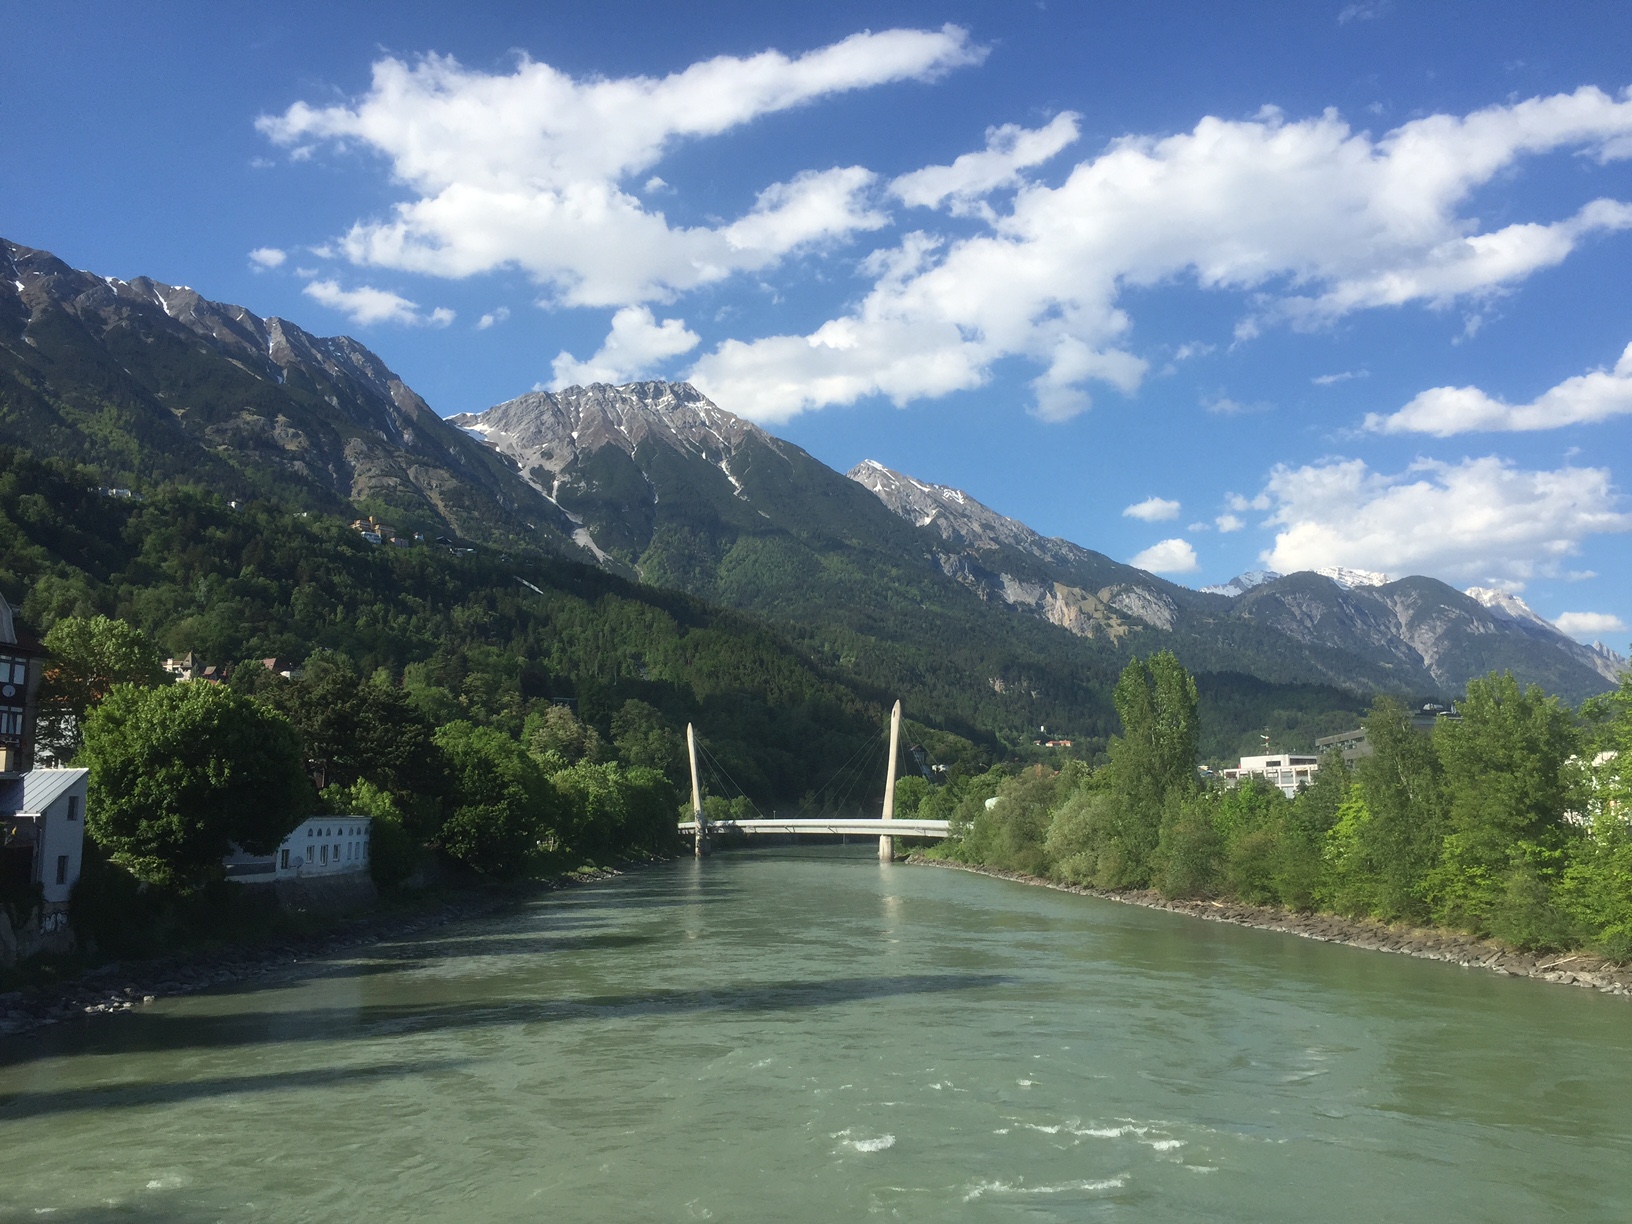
(1430, 943)
(1506, 824)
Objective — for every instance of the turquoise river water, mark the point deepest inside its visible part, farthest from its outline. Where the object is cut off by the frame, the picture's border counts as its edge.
(795, 1035)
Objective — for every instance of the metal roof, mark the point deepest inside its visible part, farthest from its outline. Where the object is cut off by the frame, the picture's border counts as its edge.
(43, 787)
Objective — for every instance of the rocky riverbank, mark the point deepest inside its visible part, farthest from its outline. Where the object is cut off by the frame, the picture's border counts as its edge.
(121, 986)
(1573, 968)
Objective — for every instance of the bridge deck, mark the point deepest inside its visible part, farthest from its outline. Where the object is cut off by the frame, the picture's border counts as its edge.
(862, 828)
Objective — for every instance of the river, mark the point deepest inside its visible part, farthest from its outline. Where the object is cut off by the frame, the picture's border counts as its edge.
(793, 1035)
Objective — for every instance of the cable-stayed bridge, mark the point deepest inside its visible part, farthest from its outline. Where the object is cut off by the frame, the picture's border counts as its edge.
(885, 827)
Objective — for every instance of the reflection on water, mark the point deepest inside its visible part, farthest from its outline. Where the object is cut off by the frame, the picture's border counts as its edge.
(790, 1035)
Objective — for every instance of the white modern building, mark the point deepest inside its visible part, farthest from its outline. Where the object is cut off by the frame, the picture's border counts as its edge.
(319, 846)
(1284, 770)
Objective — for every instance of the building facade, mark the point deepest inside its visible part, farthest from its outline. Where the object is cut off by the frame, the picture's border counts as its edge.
(319, 846)
(1287, 771)
(42, 811)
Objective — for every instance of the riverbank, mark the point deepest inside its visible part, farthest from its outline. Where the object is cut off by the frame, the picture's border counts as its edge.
(1571, 969)
(120, 986)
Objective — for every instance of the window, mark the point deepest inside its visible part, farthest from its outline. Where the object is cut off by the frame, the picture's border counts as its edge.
(73, 807)
(283, 859)
(62, 869)
(310, 854)
(325, 857)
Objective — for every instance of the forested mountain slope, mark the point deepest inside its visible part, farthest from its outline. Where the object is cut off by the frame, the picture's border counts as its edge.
(1416, 634)
(152, 382)
(478, 636)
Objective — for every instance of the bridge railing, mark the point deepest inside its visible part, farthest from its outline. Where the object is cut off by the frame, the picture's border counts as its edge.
(860, 827)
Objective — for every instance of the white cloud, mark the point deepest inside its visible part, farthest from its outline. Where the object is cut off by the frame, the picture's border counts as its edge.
(1314, 219)
(967, 181)
(526, 168)
(1225, 406)
(1173, 556)
(1444, 411)
(816, 205)
(1153, 510)
(1589, 625)
(636, 345)
(493, 317)
(267, 257)
(366, 305)
(1481, 520)
(1229, 522)
(1331, 380)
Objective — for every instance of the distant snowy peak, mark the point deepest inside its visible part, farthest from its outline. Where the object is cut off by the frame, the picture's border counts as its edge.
(1242, 583)
(545, 432)
(1511, 607)
(1348, 579)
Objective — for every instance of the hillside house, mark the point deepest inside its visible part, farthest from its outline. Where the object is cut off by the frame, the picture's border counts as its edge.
(43, 817)
(42, 811)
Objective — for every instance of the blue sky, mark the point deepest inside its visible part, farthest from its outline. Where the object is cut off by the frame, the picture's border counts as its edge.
(1210, 287)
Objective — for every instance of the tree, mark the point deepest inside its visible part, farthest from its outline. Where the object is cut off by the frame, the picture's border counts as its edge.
(643, 736)
(557, 739)
(181, 774)
(1507, 779)
(88, 657)
(361, 730)
(1154, 757)
(504, 805)
(1402, 796)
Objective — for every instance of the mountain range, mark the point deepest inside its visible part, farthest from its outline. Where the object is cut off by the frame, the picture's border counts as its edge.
(982, 622)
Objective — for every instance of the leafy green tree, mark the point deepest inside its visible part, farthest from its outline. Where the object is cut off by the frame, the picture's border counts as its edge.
(557, 739)
(611, 810)
(358, 730)
(180, 774)
(1154, 757)
(1403, 799)
(393, 853)
(1190, 851)
(1012, 832)
(643, 736)
(1508, 779)
(88, 656)
(1079, 831)
(504, 805)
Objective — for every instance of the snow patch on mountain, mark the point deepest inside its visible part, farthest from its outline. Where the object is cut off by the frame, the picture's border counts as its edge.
(1348, 579)
(1241, 583)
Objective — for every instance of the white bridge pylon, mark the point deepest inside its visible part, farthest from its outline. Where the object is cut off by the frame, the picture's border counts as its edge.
(886, 828)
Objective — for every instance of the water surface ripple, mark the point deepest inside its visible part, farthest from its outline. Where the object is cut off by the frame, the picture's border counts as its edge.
(797, 1035)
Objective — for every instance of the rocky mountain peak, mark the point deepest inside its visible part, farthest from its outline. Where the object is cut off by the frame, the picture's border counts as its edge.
(545, 432)
(1510, 607)
(957, 517)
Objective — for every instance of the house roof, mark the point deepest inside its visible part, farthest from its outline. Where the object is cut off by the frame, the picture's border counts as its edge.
(8, 629)
(43, 787)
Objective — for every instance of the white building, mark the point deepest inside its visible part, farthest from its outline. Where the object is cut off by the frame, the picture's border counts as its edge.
(1280, 769)
(319, 846)
(43, 814)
